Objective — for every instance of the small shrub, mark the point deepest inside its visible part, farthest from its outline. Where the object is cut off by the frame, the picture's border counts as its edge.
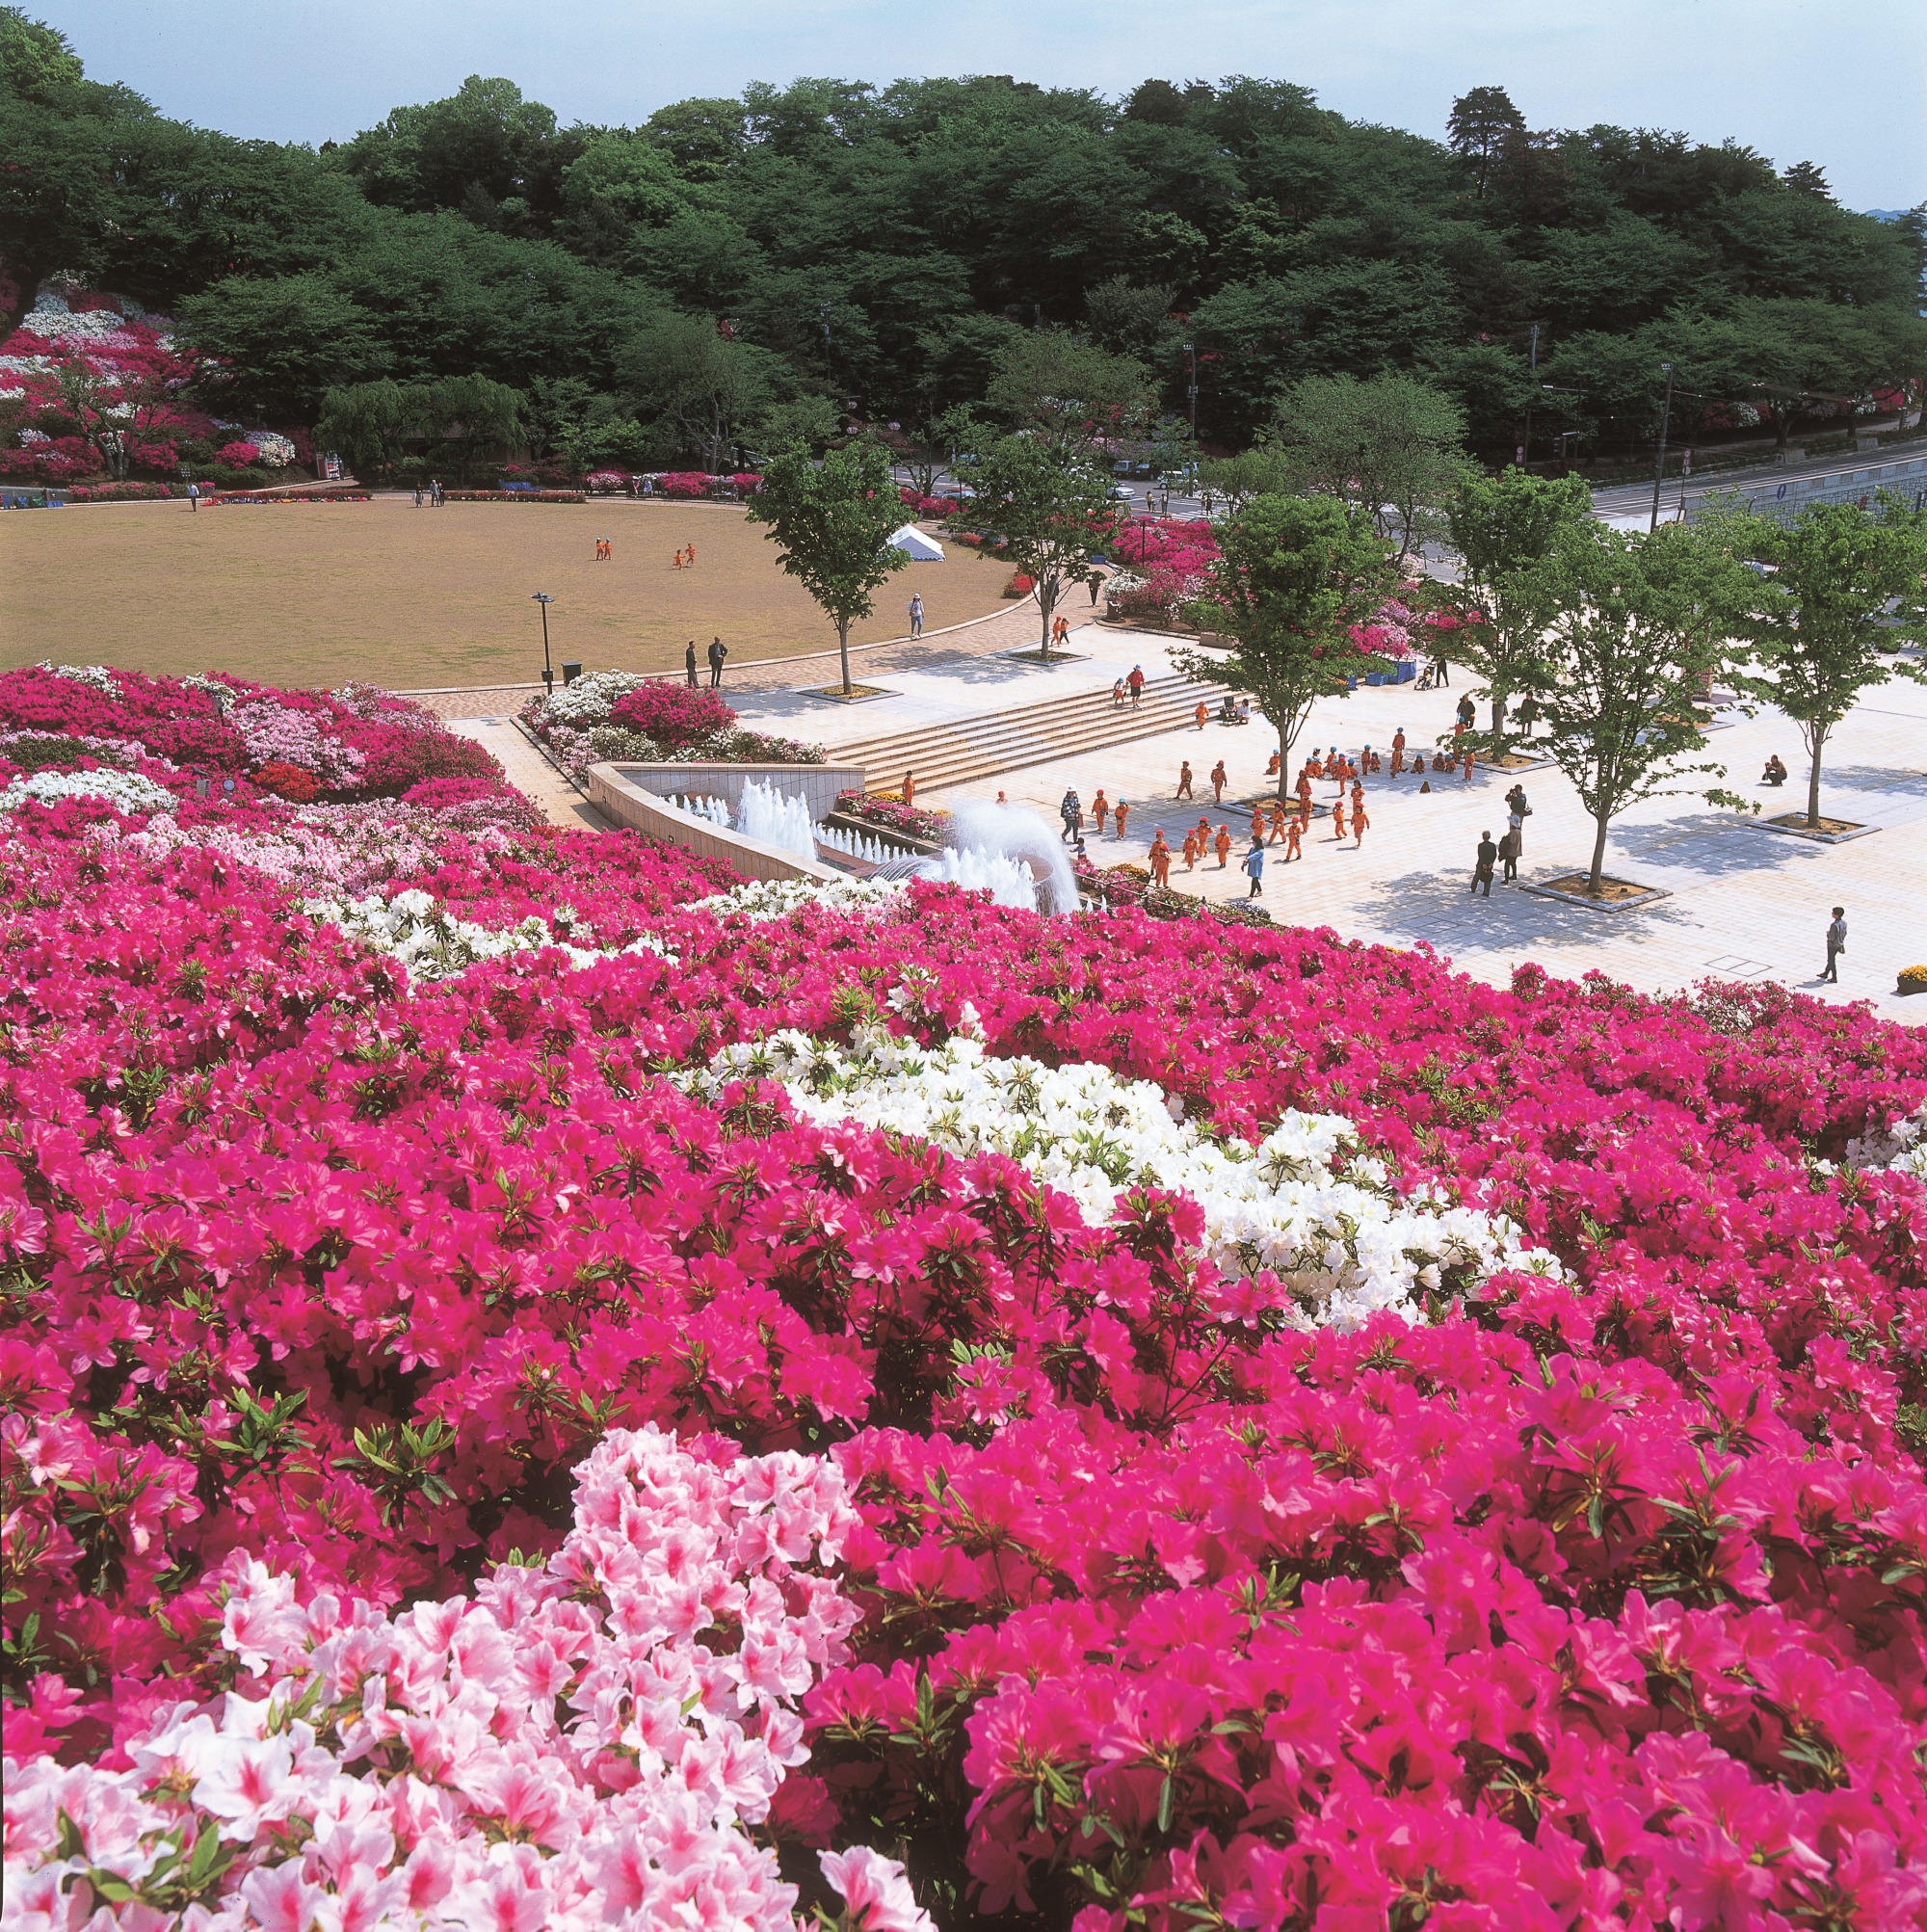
(1914, 979)
(291, 783)
(673, 715)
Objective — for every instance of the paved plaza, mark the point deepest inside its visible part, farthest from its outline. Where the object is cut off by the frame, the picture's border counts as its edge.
(1744, 903)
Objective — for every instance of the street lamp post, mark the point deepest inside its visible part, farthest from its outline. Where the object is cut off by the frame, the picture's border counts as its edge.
(1190, 350)
(544, 598)
(1525, 448)
(1659, 461)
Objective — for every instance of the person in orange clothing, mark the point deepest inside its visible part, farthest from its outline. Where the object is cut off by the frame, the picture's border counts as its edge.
(1294, 840)
(1101, 809)
(1304, 789)
(1338, 821)
(1202, 834)
(1467, 779)
(1273, 768)
(676, 561)
(1357, 797)
(690, 554)
(1190, 849)
(1279, 814)
(1398, 752)
(1122, 813)
(1184, 780)
(1203, 711)
(1359, 823)
(1223, 844)
(1160, 860)
(909, 788)
(1219, 782)
(1258, 825)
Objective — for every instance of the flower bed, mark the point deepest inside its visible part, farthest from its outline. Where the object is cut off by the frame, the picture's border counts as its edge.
(622, 715)
(513, 496)
(1159, 1422)
(893, 815)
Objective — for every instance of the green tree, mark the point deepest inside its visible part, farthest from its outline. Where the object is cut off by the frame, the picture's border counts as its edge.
(1503, 527)
(1050, 502)
(1261, 471)
(1388, 449)
(1638, 625)
(283, 340)
(1294, 575)
(1818, 625)
(830, 521)
(1049, 379)
(1478, 129)
(707, 389)
(468, 418)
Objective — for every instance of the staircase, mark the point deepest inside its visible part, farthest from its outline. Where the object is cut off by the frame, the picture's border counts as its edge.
(964, 749)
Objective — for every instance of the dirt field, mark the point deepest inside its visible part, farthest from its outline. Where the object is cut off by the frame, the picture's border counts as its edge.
(409, 598)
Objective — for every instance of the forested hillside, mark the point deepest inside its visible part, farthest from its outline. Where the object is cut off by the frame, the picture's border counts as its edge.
(726, 267)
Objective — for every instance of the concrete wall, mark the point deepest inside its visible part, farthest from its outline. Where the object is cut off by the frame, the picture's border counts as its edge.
(613, 791)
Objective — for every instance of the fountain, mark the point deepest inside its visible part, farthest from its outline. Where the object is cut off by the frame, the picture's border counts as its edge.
(777, 818)
(1009, 880)
(982, 835)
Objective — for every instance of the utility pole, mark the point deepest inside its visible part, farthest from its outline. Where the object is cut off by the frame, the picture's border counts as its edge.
(1190, 350)
(1525, 448)
(1659, 461)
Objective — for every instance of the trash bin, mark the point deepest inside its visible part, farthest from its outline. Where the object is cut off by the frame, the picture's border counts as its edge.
(571, 672)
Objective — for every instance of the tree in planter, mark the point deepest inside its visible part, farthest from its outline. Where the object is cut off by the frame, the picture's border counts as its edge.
(1295, 576)
(1048, 502)
(830, 521)
(1815, 626)
(1637, 626)
(1503, 527)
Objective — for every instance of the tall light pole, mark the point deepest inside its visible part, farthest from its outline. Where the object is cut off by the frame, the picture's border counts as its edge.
(1190, 350)
(1659, 461)
(1525, 448)
(544, 598)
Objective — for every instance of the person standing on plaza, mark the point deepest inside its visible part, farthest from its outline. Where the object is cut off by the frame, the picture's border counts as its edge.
(194, 499)
(1070, 810)
(1224, 845)
(1465, 777)
(1255, 869)
(1218, 780)
(1160, 860)
(1101, 810)
(916, 615)
(909, 790)
(1121, 814)
(689, 663)
(1338, 821)
(1190, 851)
(1517, 811)
(1294, 839)
(1837, 944)
(1184, 780)
(1203, 712)
(1482, 870)
(718, 652)
(1358, 822)
(1135, 684)
(1398, 752)
(1509, 853)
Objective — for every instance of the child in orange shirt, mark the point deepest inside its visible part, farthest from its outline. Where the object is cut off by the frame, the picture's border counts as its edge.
(1101, 809)
(1359, 823)
(1122, 813)
(1224, 847)
(1338, 821)
(1294, 836)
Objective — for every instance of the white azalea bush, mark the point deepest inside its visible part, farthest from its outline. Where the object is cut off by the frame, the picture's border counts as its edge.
(433, 943)
(763, 899)
(574, 1747)
(1306, 1203)
(124, 791)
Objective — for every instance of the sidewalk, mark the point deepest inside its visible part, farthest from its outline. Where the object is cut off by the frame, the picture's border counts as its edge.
(531, 773)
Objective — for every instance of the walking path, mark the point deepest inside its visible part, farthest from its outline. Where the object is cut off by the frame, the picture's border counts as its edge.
(531, 773)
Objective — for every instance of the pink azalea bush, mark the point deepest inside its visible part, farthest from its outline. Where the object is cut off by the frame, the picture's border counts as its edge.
(672, 714)
(1121, 1591)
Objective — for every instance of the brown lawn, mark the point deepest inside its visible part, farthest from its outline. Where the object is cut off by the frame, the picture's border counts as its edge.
(306, 595)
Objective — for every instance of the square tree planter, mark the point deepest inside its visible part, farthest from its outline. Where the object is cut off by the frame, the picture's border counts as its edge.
(1828, 832)
(1618, 895)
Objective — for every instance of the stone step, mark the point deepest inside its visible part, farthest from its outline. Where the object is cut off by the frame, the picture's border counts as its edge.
(967, 749)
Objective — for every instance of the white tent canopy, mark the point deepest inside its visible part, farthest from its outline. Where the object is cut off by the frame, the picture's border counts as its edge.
(919, 549)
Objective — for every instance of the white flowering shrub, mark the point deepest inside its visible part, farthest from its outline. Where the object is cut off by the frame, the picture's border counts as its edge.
(433, 942)
(125, 791)
(1305, 1203)
(776, 899)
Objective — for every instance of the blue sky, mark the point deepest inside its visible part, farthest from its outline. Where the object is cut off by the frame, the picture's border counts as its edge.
(1839, 82)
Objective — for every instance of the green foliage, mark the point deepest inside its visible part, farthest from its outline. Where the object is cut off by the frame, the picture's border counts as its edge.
(927, 221)
(1294, 575)
(830, 521)
(1845, 587)
(462, 420)
(1387, 448)
(1638, 628)
(284, 340)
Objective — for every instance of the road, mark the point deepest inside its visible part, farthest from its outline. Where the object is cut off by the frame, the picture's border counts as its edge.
(1635, 499)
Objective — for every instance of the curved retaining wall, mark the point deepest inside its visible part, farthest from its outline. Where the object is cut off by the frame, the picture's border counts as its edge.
(637, 796)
